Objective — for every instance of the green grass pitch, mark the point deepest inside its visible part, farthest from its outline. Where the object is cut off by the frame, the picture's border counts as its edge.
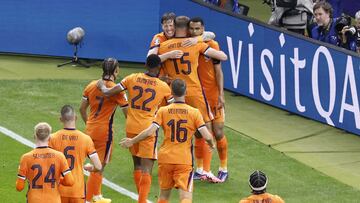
(33, 90)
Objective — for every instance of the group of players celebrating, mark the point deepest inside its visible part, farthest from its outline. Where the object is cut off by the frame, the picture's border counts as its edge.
(181, 91)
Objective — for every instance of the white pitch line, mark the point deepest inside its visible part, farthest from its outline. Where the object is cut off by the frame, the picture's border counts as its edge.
(105, 181)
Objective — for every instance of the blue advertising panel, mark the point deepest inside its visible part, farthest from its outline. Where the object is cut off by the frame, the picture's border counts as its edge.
(121, 29)
(302, 76)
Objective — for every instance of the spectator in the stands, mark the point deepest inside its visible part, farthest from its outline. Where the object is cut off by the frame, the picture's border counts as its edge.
(325, 29)
(357, 25)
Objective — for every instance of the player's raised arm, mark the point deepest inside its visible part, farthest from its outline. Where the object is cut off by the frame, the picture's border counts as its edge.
(205, 37)
(109, 91)
(215, 54)
(174, 54)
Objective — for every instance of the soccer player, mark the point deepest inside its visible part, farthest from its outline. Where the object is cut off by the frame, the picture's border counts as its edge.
(258, 182)
(186, 68)
(179, 122)
(146, 92)
(168, 27)
(99, 123)
(212, 81)
(76, 146)
(43, 167)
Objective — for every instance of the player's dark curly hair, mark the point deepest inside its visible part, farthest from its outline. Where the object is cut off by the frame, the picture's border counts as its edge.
(153, 61)
(258, 182)
(109, 66)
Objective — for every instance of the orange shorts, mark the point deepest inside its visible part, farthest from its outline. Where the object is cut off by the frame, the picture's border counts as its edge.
(175, 176)
(100, 132)
(104, 150)
(200, 103)
(219, 114)
(145, 148)
(72, 200)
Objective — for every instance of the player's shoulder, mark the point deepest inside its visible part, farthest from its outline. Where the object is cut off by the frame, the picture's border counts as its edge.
(212, 43)
(277, 199)
(27, 155)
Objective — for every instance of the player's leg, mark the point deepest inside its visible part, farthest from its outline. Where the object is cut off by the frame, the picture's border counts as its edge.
(136, 161)
(166, 182)
(137, 171)
(145, 180)
(184, 182)
(185, 196)
(201, 104)
(164, 196)
(94, 183)
(148, 154)
(221, 143)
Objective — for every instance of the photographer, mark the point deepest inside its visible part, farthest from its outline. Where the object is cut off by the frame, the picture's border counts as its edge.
(346, 33)
(325, 29)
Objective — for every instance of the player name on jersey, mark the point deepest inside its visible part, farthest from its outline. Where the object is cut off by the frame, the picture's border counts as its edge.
(44, 156)
(174, 45)
(177, 111)
(70, 137)
(146, 81)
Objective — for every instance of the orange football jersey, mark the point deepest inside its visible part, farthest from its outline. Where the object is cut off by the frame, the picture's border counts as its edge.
(42, 167)
(102, 108)
(263, 198)
(207, 74)
(145, 94)
(185, 68)
(179, 122)
(76, 146)
(157, 39)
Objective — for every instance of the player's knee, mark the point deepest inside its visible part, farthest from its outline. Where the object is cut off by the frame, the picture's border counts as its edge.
(185, 195)
(218, 132)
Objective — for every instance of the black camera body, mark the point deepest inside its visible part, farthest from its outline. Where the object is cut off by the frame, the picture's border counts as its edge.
(341, 22)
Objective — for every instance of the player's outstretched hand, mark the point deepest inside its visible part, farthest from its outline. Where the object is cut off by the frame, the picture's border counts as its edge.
(126, 142)
(189, 42)
(89, 167)
(175, 54)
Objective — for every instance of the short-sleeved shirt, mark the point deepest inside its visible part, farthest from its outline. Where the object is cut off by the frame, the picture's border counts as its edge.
(42, 167)
(179, 122)
(265, 197)
(102, 108)
(157, 39)
(207, 73)
(76, 146)
(185, 68)
(146, 93)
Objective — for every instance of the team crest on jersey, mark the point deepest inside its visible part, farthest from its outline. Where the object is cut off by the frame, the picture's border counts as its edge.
(157, 41)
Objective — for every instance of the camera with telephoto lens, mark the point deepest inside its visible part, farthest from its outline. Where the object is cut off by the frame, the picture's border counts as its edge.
(341, 22)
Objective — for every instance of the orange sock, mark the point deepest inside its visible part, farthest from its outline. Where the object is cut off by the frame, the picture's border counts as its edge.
(199, 143)
(144, 189)
(93, 185)
(207, 155)
(222, 147)
(163, 201)
(186, 201)
(137, 176)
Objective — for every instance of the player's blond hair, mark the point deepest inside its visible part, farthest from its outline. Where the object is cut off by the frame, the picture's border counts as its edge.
(42, 131)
